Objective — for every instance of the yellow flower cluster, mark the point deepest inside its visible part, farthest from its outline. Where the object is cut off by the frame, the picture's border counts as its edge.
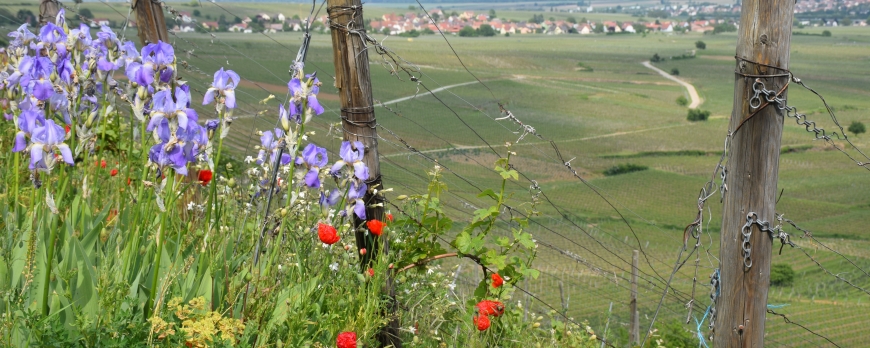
(199, 325)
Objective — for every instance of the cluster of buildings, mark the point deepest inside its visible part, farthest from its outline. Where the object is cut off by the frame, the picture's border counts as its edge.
(394, 24)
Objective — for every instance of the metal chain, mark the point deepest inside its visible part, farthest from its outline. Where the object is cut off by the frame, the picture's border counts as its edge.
(763, 226)
(714, 295)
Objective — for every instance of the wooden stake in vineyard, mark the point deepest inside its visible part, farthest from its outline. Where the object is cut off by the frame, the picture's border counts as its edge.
(48, 10)
(150, 21)
(762, 58)
(358, 120)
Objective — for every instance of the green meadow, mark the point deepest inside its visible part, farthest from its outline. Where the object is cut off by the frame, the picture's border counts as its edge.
(590, 95)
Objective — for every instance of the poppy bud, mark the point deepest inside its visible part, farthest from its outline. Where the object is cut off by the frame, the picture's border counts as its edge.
(114, 172)
(362, 251)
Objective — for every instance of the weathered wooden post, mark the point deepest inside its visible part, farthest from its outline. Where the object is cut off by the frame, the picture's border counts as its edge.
(48, 10)
(762, 55)
(354, 86)
(150, 21)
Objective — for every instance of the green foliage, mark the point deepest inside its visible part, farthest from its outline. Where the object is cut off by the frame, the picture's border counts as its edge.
(698, 115)
(723, 28)
(781, 274)
(196, 13)
(656, 58)
(682, 101)
(675, 71)
(624, 169)
(486, 30)
(584, 67)
(857, 128)
(467, 31)
(412, 33)
(677, 335)
(86, 13)
(826, 33)
(700, 45)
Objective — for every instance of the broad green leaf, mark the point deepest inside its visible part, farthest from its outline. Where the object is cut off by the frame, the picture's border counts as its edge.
(489, 193)
(503, 242)
(463, 242)
(492, 257)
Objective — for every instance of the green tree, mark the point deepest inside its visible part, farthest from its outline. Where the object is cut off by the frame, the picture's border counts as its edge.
(675, 71)
(196, 13)
(682, 101)
(781, 274)
(237, 20)
(846, 21)
(700, 45)
(857, 128)
(826, 33)
(656, 58)
(599, 28)
(698, 115)
(571, 20)
(492, 14)
(486, 30)
(86, 13)
(467, 31)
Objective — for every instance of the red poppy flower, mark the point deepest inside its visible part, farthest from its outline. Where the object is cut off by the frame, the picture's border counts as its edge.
(327, 234)
(103, 164)
(497, 280)
(346, 340)
(205, 177)
(376, 226)
(129, 180)
(66, 129)
(487, 307)
(371, 272)
(481, 322)
(114, 172)
(390, 217)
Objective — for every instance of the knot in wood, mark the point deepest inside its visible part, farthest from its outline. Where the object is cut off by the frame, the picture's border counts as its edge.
(763, 39)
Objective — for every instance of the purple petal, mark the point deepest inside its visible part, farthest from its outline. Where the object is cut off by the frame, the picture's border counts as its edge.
(295, 86)
(155, 120)
(360, 209)
(35, 155)
(336, 167)
(43, 90)
(66, 154)
(315, 105)
(312, 179)
(286, 159)
(20, 142)
(360, 170)
(230, 98)
(209, 96)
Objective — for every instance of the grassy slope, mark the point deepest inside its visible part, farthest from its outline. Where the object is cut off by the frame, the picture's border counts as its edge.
(536, 77)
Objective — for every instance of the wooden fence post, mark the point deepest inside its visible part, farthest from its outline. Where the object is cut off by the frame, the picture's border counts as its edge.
(150, 21)
(48, 10)
(763, 43)
(358, 121)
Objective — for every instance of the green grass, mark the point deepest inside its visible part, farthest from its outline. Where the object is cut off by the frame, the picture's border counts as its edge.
(620, 110)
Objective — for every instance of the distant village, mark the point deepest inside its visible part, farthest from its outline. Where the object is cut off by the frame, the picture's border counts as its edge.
(702, 18)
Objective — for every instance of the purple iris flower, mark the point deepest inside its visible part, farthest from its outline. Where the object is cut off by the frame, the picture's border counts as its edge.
(82, 37)
(194, 138)
(52, 34)
(130, 53)
(224, 84)
(165, 107)
(28, 122)
(48, 139)
(328, 200)
(21, 37)
(59, 102)
(354, 196)
(211, 126)
(155, 57)
(172, 157)
(107, 37)
(352, 155)
(65, 69)
(35, 76)
(107, 62)
(270, 142)
(290, 113)
(313, 157)
(299, 92)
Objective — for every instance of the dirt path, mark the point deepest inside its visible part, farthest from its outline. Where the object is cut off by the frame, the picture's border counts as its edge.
(696, 100)
(468, 147)
(433, 91)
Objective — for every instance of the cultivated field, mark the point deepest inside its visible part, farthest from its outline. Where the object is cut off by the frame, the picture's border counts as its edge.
(617, 112)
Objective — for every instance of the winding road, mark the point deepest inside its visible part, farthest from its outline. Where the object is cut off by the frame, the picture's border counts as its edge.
(439, 89)
(693, 94)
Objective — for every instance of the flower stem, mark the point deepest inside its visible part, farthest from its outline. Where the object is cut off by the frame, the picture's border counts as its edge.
(154, 288)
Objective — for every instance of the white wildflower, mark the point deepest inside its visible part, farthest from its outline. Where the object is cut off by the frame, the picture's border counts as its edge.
(190, 206)
(249, 159)
(334, 267)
